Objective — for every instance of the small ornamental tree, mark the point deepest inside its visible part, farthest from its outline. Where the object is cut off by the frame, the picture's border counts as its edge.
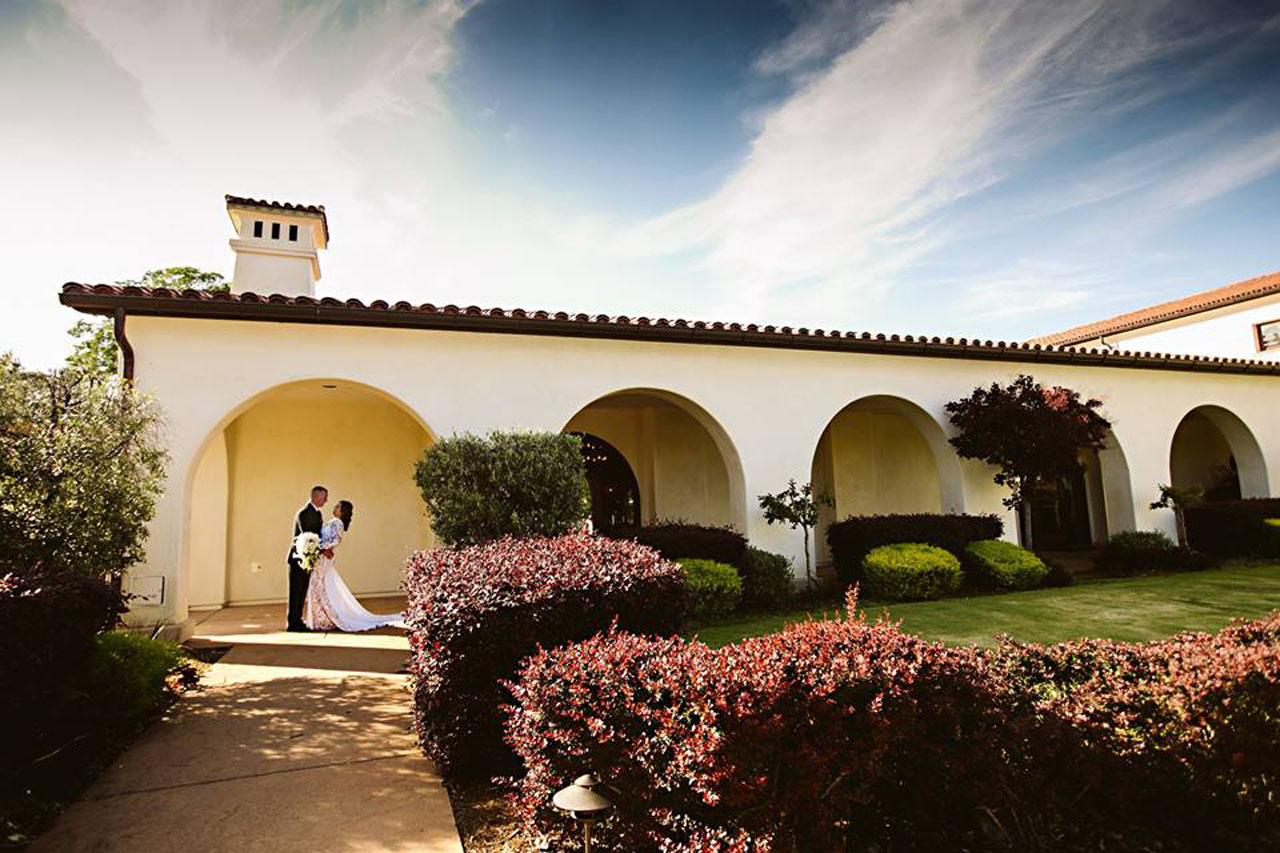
(81, 467)
(1030, 433)
(796, 506)
(1179, 500)
(481, 488)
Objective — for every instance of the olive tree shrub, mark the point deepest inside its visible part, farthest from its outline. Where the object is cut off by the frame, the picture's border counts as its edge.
(82, 462)
(480, 488)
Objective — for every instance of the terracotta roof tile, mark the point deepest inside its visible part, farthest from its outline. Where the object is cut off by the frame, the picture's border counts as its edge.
(1263, 285)
(106, 298)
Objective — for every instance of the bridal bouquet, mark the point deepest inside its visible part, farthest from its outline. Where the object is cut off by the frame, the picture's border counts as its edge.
(307, 547)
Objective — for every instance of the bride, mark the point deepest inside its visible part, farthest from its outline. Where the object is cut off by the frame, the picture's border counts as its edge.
(330, 604)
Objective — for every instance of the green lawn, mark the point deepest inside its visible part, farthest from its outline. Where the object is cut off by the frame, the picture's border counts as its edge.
(1144, 608)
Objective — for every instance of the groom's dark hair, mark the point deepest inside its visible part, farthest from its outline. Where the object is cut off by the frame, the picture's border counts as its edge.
(315, 489)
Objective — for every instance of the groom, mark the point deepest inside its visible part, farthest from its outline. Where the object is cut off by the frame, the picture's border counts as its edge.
(308, 520)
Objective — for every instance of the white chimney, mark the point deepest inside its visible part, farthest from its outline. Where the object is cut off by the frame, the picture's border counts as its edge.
(276, 246)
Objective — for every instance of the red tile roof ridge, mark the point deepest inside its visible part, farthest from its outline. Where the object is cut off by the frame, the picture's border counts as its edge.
(532, 319)
(1218, 297)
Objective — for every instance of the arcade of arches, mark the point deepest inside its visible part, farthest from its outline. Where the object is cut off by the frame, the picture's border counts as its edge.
(650, 455)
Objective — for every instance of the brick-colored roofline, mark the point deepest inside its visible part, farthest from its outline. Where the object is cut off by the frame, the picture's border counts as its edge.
(263, 204)
(106, 298)
(1219, 297)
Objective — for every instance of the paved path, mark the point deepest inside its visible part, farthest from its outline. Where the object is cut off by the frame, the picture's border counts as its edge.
(297, 742)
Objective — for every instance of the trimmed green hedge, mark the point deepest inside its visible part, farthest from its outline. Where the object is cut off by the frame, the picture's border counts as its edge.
(910, 572)
(680, 540)
(766, 579)
(713, 589)
(1003, 565)
(1234, 528)
(1131, 552)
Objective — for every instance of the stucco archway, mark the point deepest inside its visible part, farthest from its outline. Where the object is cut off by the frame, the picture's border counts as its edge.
(684, 463)
(256, 468)
(1214, 448)
(880, 455)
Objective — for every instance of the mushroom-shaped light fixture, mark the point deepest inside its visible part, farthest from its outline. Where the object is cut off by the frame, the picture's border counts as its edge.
(587, 800)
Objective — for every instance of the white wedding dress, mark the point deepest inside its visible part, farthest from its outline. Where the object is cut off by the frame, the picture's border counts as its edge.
(330, 605)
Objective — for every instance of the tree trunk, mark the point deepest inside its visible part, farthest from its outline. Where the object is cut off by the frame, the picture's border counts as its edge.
(808, 575)
(1024, 513)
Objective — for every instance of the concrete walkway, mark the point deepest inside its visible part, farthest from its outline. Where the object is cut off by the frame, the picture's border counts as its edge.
(297, 742)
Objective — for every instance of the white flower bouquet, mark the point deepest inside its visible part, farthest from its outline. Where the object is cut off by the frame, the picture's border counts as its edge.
(307, 547)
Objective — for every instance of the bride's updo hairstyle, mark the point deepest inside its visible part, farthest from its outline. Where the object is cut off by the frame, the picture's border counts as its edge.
(345, 508)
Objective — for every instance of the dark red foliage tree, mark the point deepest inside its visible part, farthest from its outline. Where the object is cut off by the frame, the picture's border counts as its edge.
(1031, 433)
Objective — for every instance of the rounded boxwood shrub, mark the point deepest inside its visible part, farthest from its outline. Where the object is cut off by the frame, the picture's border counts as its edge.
(474, 613)
(767, 579)
(910, 572)
(480, 488)
(1004, 565)
(713, 589)
(852, 538)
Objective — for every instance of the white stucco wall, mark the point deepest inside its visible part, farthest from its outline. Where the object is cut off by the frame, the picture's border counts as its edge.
(768, 407)
(259, 270)
(1225, 331)
(207, 521)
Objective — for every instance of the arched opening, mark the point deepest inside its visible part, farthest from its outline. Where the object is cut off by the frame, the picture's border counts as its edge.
(258, 467)
(1213, 448)
(681, 460)
(883, 455)
(1083, 508)
(615, 494)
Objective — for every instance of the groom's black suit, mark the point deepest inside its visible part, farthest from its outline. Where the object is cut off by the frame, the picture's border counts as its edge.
(308, 520)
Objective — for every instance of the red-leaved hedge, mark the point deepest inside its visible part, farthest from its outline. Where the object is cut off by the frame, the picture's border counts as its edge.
(838, 735)
(474, 613)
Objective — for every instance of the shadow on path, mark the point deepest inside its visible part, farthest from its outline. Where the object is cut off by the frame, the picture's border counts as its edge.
(295, 743)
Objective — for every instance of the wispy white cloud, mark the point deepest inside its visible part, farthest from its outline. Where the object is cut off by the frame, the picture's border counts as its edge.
(1027, 287)
(1222, 169)
(930, 103)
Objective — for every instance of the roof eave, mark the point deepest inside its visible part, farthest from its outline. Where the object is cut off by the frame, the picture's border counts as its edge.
(281, 309)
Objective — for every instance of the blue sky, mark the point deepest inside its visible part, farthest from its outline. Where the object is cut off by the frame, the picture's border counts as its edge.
(969, 167)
